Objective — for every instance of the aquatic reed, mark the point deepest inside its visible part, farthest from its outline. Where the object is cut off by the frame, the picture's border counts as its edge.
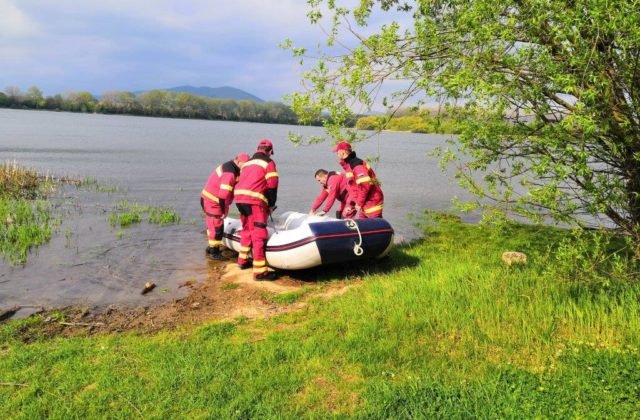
(126, 214)
(25, 218)
(19, 182)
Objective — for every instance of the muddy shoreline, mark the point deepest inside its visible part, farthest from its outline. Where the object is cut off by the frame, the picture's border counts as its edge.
(228, 294)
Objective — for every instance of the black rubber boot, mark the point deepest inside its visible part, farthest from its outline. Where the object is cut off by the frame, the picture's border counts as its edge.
(246, 264)
(215, 253)
(266, 276)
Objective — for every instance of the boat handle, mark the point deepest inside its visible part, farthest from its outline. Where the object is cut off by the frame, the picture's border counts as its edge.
(357, 248)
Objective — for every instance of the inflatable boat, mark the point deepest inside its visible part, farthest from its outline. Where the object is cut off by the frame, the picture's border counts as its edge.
(298, 241)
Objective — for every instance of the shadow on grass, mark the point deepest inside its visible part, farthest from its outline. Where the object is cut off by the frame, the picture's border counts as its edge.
(396, 260)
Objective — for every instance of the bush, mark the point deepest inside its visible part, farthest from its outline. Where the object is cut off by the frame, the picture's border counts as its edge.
(592, 258)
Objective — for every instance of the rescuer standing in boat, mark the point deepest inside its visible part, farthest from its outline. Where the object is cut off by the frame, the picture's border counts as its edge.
(256, 194)
(334, 187)
(215, 199)
(365, 194)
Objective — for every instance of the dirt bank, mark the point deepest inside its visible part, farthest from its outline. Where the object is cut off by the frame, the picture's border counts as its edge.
(227, 294)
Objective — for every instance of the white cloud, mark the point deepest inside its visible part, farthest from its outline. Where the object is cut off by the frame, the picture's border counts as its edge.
(15, 24)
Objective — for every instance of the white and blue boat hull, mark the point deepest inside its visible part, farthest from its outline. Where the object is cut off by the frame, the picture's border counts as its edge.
(298, 241)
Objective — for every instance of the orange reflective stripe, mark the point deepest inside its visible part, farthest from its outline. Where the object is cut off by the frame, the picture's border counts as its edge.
(245, 248)
(258, 263)
(270, 175)
(213, 242)
(361, 180)
(242, 255)
(259, 270)
(210, 196)
(251, 194)
(226, 187)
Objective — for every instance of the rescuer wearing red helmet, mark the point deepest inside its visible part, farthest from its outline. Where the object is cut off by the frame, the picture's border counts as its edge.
(215, 199)
(334, 187)
(365, 194)
(256, 194)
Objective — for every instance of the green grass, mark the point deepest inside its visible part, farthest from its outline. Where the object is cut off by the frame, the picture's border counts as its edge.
(287, 297)
(126, 214)
(92, 183)
(163, 216)
(25, 215)
(442, 330)
(124, 219)
(24, 224)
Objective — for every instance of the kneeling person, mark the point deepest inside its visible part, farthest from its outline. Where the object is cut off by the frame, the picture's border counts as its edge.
(334, 187)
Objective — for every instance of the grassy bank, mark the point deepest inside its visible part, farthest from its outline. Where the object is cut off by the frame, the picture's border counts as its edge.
(449, 331)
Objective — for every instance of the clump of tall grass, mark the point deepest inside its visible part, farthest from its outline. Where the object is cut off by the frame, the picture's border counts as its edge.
(595, 259)
(25, 220)
(124, 219)
(163, 216)
(91, 183)
(24, 224)
(127, 213)
(19, 182)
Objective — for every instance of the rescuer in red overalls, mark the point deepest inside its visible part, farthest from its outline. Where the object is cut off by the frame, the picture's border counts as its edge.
(365, 194)
(334, 187)
(215, 199)
(256, 194)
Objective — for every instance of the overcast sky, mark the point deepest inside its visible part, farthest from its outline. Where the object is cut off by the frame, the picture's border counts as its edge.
(126, 45)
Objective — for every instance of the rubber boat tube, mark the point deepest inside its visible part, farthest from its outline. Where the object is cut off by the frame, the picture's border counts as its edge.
(298, 241)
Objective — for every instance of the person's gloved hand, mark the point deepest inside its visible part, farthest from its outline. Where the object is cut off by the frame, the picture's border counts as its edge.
(349, 213)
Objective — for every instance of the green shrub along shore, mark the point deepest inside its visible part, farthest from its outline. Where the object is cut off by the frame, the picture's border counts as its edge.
(442, 329)
(431, 121)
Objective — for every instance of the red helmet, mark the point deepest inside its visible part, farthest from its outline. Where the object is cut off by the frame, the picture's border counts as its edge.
(243, 157)
(343, 145)
(266, 143)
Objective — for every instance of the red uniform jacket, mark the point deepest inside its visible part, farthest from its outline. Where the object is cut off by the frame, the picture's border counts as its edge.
(334, 189)
(363, 185)
(219, 186)
(258, 183)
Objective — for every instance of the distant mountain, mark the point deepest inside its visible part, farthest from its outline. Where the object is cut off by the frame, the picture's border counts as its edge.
(224, 92)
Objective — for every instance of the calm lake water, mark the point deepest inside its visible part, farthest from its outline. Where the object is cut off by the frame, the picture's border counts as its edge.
(165, 162)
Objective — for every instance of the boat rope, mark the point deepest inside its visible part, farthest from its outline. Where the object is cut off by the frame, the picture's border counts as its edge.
(357, 248)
